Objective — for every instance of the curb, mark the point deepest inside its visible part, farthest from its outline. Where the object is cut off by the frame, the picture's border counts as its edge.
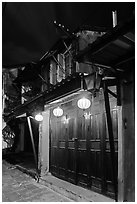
(67, 193)
(24, 170)
(63, 191)
(78, 195)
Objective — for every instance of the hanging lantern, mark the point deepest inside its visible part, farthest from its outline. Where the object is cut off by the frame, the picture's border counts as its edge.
(83, 103)
(58, 112)
(39, 117)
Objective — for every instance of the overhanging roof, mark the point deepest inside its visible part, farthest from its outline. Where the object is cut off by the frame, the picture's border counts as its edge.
(65, 87)
(113, 48)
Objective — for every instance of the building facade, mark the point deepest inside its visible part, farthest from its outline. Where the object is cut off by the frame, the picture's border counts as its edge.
(90, 146)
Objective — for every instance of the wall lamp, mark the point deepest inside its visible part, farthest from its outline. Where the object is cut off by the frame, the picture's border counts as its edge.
(39, 117)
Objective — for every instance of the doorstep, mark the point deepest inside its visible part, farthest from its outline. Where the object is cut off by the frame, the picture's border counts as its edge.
(74, 192)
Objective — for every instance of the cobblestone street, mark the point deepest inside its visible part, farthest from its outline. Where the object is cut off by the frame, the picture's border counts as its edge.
(19, 187)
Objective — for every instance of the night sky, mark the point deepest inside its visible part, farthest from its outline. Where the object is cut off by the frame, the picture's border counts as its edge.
(28, 31)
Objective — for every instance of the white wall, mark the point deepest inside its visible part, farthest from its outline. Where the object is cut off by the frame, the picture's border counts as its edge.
(44, 143)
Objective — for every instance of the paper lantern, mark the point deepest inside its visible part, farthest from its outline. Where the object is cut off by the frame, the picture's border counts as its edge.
(58, 112)
(38, 117)
(83, 103)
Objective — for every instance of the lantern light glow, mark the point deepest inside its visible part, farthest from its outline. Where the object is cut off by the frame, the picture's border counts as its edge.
(84, 103)
(39, 117)
(58, 112)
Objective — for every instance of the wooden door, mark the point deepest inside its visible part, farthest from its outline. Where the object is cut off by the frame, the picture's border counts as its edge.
(58, 147)
(89, 148)
(62, 148)
(80, 151)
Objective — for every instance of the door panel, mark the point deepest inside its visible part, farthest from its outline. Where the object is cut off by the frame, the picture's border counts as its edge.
(72, 156)
(54, 152)
(80, 149)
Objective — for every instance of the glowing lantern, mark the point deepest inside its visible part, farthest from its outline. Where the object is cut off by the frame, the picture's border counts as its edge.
(58, 112)
(83, 103)
(38, 117)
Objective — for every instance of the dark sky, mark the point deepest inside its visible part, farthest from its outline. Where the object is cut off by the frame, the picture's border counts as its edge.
(28, 31)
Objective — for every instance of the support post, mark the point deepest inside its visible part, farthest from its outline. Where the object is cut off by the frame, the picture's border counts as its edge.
(76, 160)
(111, 139)
(118, 93)
(44, 143)
(33, 147)
(120, 157)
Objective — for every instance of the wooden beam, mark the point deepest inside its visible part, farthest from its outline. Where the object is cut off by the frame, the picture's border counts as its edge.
(106, 39)
(124, 58)
(111, 138)
(64, 88)
(113, 94)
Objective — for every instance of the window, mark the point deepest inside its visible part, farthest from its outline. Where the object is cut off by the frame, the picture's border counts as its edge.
(53, 70)
(60, 68)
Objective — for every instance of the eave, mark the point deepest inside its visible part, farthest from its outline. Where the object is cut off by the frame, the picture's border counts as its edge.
(113, 48)
(65, 87)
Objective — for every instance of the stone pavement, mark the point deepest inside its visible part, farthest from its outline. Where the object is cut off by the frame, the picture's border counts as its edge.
(20, 187)
(74, 192)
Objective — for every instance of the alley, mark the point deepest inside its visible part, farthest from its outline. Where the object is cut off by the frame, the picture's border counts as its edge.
(19, 187)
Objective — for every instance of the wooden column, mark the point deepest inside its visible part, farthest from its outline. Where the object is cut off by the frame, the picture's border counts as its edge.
(103, 144)
(76, 159)
(120, 157)
(128, 138)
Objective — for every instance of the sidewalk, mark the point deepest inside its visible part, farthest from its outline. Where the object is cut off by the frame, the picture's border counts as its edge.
(20, 187)
(76, 193)
(64, 188)
(69, 190)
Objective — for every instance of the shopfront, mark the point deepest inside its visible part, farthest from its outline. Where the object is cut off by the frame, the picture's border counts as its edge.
(79, 143)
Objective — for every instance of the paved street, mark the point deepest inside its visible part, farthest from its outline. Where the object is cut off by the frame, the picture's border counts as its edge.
(19, 187)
